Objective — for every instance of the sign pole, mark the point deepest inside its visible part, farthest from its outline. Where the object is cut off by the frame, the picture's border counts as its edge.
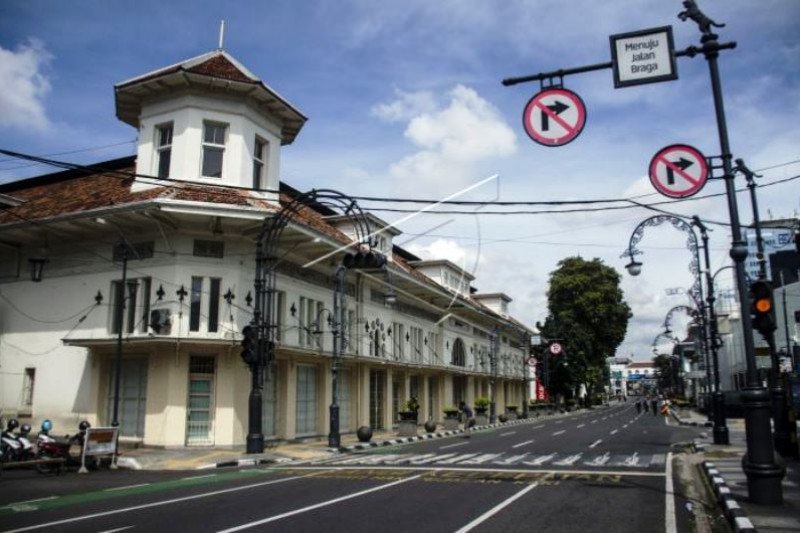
(763, 474)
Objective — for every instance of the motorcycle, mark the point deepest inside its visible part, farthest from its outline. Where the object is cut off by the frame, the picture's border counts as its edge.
(13, 449)
(69, 449)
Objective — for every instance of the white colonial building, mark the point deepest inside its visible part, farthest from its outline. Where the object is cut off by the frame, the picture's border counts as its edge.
(191, 204)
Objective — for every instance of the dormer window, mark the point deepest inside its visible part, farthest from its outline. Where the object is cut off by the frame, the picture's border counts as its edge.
(164, 149)
(259, 162)
(213, 149)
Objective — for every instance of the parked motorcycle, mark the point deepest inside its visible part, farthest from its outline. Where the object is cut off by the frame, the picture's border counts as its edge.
(67, 448)
(12, 448)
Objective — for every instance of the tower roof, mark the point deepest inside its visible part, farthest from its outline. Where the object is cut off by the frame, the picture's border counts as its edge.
(216, 70)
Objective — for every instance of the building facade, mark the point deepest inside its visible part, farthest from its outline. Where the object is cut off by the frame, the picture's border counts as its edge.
(182, 218)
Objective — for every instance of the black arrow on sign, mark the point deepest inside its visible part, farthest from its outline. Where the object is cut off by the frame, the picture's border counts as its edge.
(682, 164)
(557, 108)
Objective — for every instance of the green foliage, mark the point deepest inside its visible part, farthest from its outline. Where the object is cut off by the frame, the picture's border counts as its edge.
(482, 402)
(663, 369)
(588, 312)
(412, 404)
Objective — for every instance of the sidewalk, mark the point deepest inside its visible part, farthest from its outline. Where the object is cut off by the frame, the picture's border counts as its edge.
(723, 468)
(300, 450)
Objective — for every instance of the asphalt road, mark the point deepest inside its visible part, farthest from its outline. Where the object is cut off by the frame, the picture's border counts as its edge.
(604, 470)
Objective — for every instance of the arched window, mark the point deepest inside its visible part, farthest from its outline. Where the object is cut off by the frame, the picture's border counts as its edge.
(459, 355)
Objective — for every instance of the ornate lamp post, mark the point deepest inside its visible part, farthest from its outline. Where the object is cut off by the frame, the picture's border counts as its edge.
(696, 291)
(264, 325)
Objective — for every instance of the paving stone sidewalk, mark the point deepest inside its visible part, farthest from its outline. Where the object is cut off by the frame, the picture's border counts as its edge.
(723, 467)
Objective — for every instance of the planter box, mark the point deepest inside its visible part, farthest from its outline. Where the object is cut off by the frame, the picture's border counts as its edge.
(511, 415)
(407, 428)
(482, 419)
(450, 423)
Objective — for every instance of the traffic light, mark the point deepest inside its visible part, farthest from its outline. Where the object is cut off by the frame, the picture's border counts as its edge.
(762, 307)
(370, 259)
(249, 344)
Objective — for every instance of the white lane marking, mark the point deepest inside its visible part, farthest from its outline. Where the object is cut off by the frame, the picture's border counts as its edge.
(559, 421)
(624, 426)
(595, 443)
(497, 508)
(569, 461)
(594, 421)
(507, 433)
(116, 529)
(627, 473)
(318, 505)
(538, 427)
(670, 522)
(604, 418)
(199, 477)
(453, 445)
(112, 489)
(10, 505)
(540, 460)
(579, 426)
(421, 457)
(613, 432)
(160, 503)
(521, 444)
(559, 432)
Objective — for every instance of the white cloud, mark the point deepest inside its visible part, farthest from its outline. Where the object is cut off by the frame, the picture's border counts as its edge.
(441, 249)
(406, 107)
(454, 142)
(24, 86)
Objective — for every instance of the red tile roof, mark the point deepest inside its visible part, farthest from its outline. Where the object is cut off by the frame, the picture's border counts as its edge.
(220, 67)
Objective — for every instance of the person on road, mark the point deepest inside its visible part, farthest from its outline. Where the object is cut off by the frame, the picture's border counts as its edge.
(654, 405)
(466, 412)
(638, 407)
(645, 402)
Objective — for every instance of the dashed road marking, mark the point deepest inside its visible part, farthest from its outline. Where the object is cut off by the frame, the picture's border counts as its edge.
(580, 426)
(453, 445)
(112, 489)
(559, 432)
(521, 444)
(507, 433)
(613, 432)
(595, 443)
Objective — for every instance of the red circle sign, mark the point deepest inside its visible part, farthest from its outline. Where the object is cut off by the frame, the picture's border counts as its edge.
(554, 117)
(555, 348)
(678, 171)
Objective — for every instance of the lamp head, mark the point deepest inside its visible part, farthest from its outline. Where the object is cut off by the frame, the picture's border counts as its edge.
(634, 267)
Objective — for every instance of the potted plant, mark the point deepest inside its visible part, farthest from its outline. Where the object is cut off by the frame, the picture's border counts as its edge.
(511, 412)
(481, 411)
(450, 417)
(407, 425)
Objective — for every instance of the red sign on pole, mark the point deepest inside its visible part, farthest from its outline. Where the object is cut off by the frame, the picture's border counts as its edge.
(541, 391)
(678, 171)
(554, 117)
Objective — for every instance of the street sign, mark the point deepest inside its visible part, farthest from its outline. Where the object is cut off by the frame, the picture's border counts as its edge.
(555, 348)
(554, 117)
(644, 56)
(678, 171)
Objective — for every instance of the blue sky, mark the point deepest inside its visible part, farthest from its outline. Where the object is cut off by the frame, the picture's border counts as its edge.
(404, 98)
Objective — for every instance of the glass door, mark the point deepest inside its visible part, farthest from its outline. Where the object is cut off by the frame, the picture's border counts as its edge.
(200, 405)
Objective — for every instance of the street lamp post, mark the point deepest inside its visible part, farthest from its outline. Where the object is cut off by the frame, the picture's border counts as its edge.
(780, 407)
(763, 474)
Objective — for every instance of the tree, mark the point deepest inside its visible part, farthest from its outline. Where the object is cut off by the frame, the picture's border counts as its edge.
(586, 309)
(663, 367)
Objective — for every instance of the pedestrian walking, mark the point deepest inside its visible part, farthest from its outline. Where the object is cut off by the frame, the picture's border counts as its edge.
(638, 407)
(646, 408)
(469, 421)
(654, 405)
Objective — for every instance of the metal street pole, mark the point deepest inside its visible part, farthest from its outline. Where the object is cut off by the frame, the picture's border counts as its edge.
(780, 408)
(763, 474)
(707, 312)
(786, 321)
(721, 435)
(334, 437)
(119, 320)
(492, 380)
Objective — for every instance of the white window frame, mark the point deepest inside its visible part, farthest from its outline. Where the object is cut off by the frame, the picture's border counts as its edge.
(161, 149)
(258, 181)
(213, 146)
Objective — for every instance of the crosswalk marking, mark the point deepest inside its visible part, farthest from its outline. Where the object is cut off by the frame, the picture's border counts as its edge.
(595, 443)
(569, 461)
(631, 460)
(540, 460)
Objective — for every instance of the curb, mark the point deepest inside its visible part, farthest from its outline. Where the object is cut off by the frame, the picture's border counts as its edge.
(369, 445)
(682, 422)
(737, 517)
(437, 435)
